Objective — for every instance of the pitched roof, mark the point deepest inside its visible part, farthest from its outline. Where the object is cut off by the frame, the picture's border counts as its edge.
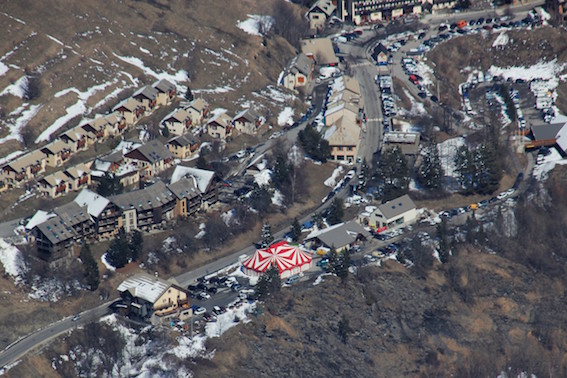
(144, 286)
(379, 49)
(396, 207)
(148, 92)
(339, 235)
(94, 202)
(221, 119)
(129, 104)
(562, 138)
(185, 188)
(55, 179)
(199, 104)
(78, 170)
(56, 230)
(343, 133)
(203, 177)
(248, 114)
(163, 86)
(34, 157)
(152, 152)
(183, 140)
(320, 49)
(546, 131)
(55, 147)
(178, 115)
(152, 197)
(303, 64)
(325, 6)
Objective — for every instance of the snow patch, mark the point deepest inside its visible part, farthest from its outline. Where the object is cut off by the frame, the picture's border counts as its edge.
(285, 116)
(12, 260)
(256, 24)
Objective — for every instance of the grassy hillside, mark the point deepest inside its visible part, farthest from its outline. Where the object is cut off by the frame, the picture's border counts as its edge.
(81, 45)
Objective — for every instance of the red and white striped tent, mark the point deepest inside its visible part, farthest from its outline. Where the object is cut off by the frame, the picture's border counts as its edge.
(290, 260)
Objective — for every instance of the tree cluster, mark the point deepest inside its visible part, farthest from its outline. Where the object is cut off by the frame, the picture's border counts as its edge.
(339, 263)
(430, 172)
(90, 268)
(479, 169)
(269, 283)
(122, 249)
(261, 199)
(285, 172)
(313, 144)
(392, 174)
(109, 185)
(288, 23)
(336, 211)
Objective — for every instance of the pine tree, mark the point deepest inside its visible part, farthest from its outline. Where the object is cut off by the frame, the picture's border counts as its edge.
(466, 168)
(336, 212)
(393, 174)
(136, 244)
(317, 219)
(118, 252)
(261, 199)
(295, 230)
(343, 329)
(189, 94)
(442, 235)
(109, 185)
(90, 268)
(431, 171)
(344, 264)
(267, 237)
(269, 283)
(280, 173)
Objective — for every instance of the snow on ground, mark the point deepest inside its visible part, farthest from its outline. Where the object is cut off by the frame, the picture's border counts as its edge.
(226, 88)
(549, 162)
(3, 69)
(332, 181)
(319, 278)
(227, 320)
(216, 112)
(6, 368)
(272, 93)
(177, 78)
(417, 108)
(326, 72)
(106, 264)
(11, 156)
(548, 71)
(18, 119)
(73, 111)
(202, 231)
(447, 151)
(17, 89)
(256, 24)
(277, 198)
(501, 40)
(12, 260)
(285, 116)
(46, 290)
(263, 177)
(425, 72)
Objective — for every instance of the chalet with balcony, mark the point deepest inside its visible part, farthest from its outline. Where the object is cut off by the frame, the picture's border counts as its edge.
(178, 122)
(54, 185)
(79, 177)
(24, 168)
(194, 181)
(155, 300)
(166, 91)
(55, 241)
(183, 146)
(247, 122)
(57, 153)
(131, 111)
(106, 215)
(115, 164)
(146, 209)
(76, 139)
(320, 12)
(150, 158)
(147, 97)
(198, 110)
(298, 72)
(220, 126)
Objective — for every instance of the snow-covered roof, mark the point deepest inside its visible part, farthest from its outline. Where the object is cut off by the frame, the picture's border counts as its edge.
(144, 286)
(39, 217)
(95, 202)
(202, 176)
(561, 138)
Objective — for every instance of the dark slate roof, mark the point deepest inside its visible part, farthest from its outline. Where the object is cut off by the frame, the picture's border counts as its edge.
(148, 198)
(340, 235)
(164, 86)
(56, 231)
(72, 213)
(152, 151)
(183, 140)
(546, 131)
(147, 92)
(303, 64)
(185, 188)
(396, 207)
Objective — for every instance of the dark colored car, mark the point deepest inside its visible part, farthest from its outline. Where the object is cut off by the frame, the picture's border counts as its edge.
(212, 290)
(192, 287)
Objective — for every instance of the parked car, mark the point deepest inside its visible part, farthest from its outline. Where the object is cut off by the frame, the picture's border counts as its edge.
(204, 296)
(212, 290)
